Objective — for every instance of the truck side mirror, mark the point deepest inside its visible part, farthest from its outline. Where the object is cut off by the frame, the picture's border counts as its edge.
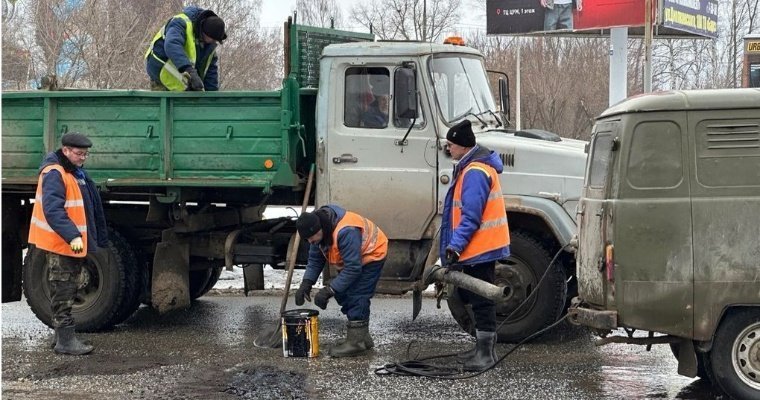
(405, 92)
(504, 96)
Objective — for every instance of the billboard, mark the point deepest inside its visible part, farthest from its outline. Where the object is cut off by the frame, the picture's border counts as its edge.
(699, 17)
(519, 17)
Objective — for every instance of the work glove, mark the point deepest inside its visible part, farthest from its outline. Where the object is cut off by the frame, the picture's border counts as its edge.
(195, 83)
(304, 292)
(452, 257)
(323, 296)
(77, 245)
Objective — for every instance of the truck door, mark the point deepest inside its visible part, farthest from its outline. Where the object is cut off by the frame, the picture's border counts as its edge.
(368, 169)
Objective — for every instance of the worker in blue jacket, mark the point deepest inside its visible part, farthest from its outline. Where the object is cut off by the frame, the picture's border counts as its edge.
(475, 232)
(182, 55)
(357, 249)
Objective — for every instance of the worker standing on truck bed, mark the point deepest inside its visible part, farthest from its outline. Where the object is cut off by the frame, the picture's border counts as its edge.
(357, 248)
(67, 223)
(474, 232)
(182, 55)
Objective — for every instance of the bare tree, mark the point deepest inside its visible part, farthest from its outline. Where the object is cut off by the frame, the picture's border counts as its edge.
(403, 19)
(322, 13)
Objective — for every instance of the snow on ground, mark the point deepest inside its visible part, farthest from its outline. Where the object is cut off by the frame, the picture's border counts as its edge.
(273, 278)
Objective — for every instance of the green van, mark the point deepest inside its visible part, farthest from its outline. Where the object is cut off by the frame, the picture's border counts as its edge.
(669, 240)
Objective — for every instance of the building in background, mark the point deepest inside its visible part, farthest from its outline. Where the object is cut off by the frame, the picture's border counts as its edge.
(751, 64)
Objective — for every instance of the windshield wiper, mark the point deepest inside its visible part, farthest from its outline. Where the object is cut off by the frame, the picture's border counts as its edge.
(498, 121)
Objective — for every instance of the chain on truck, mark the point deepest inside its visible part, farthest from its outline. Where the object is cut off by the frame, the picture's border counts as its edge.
(187, 176)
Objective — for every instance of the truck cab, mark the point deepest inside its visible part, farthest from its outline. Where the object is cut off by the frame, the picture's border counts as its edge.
(397, 172)
(669, 221)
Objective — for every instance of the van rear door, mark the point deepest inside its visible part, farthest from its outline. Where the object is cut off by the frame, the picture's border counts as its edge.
(654, 278)
(594, 221)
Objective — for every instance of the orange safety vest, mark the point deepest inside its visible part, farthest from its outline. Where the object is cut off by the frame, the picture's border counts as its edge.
(41, 234)
(494, 230)
(374, 241)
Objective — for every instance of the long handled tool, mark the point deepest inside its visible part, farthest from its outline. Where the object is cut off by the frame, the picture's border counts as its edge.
(271, 336)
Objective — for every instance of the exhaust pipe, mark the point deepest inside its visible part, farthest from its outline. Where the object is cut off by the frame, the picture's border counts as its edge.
(437, 273)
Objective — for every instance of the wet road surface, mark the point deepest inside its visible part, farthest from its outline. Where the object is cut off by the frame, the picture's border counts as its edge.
(207, 352)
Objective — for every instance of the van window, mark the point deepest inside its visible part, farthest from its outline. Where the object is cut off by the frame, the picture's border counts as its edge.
(728, 152)
(601, 155)
(367, 97)
(655, 159)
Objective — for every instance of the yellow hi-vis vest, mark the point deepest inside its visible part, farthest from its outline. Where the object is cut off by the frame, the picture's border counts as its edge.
(170, 75)
(41, 234)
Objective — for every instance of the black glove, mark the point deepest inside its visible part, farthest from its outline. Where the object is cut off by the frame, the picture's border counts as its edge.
(323, 296)
(195, 83)
(304, 292)
(452, 257)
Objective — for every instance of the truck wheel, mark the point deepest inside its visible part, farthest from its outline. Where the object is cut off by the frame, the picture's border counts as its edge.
(101, 294)
(735, 355)
(134, 277)
(521, 271)
(201, 281)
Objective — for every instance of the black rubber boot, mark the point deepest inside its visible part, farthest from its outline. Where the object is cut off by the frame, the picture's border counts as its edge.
(484, 355)
(54, 340)
(69, 344)
(354, 345)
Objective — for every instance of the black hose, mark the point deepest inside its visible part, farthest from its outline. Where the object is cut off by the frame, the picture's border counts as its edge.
(419, 366)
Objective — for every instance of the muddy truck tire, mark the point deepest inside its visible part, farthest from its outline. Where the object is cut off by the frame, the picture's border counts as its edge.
(202, 281)
(521, 271)
(732, 362)
(108, 291)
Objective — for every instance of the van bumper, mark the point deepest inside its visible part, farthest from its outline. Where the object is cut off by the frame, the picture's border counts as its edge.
(598, 319)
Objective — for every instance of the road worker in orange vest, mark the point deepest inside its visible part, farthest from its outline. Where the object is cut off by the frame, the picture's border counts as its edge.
(357, 248)
(474, 232)
(67, 224)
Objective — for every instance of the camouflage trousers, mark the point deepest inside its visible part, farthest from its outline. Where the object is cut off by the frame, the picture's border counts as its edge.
(63, 280)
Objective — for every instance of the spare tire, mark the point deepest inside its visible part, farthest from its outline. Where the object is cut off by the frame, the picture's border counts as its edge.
(106, 283)
(526, 264)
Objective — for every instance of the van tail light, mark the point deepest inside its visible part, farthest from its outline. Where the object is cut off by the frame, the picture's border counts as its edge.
(609, 262)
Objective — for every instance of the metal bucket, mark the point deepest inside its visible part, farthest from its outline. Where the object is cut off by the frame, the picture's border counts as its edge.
(300, 333)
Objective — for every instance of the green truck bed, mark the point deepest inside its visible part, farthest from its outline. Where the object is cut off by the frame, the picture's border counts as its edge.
(145, 138)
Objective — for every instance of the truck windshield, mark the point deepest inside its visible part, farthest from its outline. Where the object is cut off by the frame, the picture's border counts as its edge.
(461, 86)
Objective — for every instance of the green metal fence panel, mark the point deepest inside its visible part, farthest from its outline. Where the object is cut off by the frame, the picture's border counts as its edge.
(307, 43)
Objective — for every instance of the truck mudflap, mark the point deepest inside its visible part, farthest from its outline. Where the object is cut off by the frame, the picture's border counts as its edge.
(604, 320)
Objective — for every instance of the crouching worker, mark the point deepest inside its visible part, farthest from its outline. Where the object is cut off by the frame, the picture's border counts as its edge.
(357, 248)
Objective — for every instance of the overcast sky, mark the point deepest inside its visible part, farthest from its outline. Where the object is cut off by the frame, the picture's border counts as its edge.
(275, 12)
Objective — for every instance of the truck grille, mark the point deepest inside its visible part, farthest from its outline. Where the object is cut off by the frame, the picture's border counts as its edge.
(508, 159)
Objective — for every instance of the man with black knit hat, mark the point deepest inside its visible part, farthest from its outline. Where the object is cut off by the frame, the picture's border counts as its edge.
(357, 248)
(67, 224)
(182, 55)
(474, 232)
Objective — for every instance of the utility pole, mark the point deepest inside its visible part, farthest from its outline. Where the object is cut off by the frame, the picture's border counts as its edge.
(424, 20)
(648, 46)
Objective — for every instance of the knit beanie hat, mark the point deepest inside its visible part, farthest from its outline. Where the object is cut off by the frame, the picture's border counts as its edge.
(213, 27)
(308, 225)
(462, 134)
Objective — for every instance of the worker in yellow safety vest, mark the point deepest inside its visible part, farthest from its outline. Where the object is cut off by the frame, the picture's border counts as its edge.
(182, 55)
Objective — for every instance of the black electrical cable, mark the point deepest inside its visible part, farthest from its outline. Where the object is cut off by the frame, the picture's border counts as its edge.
(418, 367)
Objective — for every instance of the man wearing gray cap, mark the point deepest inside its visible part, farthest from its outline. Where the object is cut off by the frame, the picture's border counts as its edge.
(67, 223)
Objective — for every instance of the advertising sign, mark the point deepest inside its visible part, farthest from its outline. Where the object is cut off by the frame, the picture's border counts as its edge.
(526, 16)
(699, 17)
